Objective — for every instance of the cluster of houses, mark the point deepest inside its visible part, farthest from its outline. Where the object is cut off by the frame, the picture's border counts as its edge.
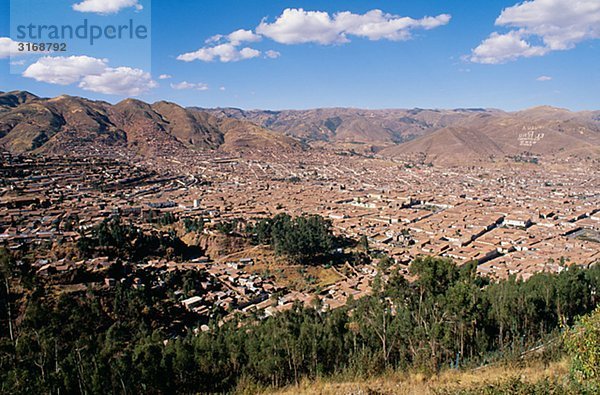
(512, 220)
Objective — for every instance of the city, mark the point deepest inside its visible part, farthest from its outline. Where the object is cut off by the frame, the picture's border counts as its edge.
(314, 197)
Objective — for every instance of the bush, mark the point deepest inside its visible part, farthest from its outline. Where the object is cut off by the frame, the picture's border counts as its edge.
(583, 344)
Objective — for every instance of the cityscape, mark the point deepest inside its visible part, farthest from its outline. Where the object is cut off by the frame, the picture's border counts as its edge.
(245, 219)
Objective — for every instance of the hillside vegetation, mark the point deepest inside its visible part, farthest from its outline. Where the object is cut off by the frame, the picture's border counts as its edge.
(114, 341)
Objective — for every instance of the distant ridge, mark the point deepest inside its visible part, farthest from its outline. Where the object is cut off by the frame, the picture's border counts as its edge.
(454, 136)
(65, 124)
(350, 125)
(531, 133)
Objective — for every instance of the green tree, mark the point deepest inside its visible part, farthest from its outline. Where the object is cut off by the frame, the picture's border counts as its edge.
(583, 344)
(363, 244)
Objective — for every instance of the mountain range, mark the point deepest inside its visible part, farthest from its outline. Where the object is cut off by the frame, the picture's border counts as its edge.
(32, 124)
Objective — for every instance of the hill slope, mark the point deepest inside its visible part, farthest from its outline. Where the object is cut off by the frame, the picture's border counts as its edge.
(528, 133)
(72, 124)
(65, 123)
(441, 136)
(352, 125)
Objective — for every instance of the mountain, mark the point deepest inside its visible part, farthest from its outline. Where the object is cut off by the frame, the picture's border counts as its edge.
(72, 124)
(244, 135)
(347, 125)
(531, 133)
(191, 127)
(13, 99)
(440, 136)
(50, 124)
(67, 124)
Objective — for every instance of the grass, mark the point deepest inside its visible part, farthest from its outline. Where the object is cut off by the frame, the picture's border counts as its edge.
(326, 277)
(291, 276)
(450, 381)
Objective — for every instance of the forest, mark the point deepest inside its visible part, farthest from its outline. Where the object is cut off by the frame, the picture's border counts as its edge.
(101, 342)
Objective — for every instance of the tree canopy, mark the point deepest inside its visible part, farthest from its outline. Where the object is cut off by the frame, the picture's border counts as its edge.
(301, 239)
(116, 340)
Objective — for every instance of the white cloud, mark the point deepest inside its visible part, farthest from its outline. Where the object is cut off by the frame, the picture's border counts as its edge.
(225, 48)
(165, 76)
(560, 23)
(93, 74)
(64, 70)
(236, 38)
(214, 39)
(243, 36)
(297, 26)
(106, 6)
(501, 48)
(9, 48)
(248, 53)
(190, 85)
(223, 52)
(124, 81)
(556, 24)
(543, 78)
(272, 54)
(222, 89)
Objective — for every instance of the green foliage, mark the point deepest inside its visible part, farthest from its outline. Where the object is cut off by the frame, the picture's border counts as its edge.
(6, 263)
(363, 244)
(227, 227)
(117, 239)
(152, 217)
(385, 262)
(302, 239)
(543, 303)
(583, 345)
(193, 224)
(119, 340)
(167, 219)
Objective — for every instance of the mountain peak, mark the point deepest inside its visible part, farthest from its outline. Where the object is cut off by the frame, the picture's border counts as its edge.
(64, 123)
(15, 98)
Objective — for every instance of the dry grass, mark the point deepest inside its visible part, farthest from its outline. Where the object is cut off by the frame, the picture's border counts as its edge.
(416, 383)
(325, 277)
(291, 276)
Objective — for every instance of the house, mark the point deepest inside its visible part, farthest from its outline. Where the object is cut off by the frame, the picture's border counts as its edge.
(192, 302)
(518, 220)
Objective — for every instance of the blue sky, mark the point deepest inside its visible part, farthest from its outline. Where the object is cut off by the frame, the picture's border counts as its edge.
(500, 54)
